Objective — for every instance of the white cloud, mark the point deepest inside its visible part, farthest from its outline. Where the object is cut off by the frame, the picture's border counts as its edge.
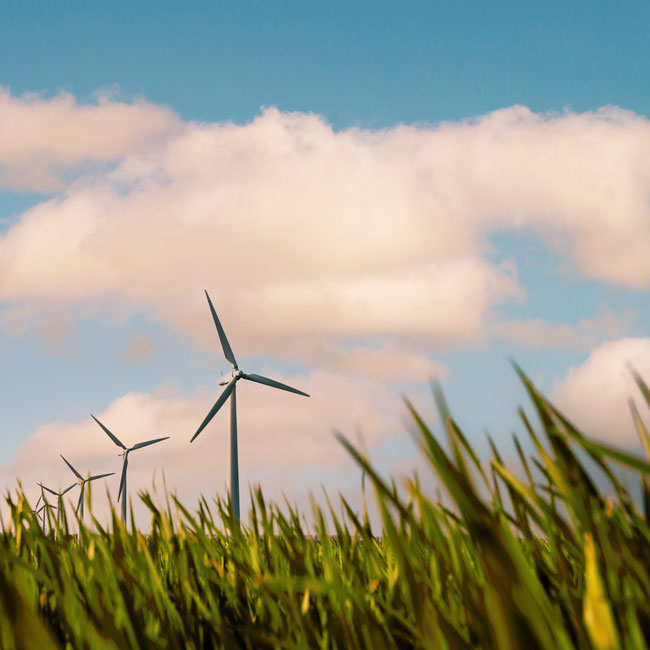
(41, 139)
(594, 395)
(330, 235)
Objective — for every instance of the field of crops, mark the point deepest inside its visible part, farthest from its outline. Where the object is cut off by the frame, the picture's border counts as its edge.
(549, 561)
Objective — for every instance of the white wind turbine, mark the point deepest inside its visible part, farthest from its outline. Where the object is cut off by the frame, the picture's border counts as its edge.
(125, 455)
(43, 509)
(59, 499)
(37, 511)
(229, 391)
(82, 484)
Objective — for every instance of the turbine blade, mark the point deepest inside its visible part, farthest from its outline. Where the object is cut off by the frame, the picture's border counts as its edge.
(76, 473)
(227, 350)
(81, 498)
(92, 478)
(68, 489)
(146, 444)
(108, 433)
(276, 384)
(218, 404)
(39, 500)
(123, 478)
(56, 494)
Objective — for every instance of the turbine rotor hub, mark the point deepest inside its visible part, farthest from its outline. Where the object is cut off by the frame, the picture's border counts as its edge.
(234, 374)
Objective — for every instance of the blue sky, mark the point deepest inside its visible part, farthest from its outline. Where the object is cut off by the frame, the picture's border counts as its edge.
(367, 63)
(163, 80)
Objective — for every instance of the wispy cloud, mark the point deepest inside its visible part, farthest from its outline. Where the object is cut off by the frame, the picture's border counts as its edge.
(587, 333)
(139, 349)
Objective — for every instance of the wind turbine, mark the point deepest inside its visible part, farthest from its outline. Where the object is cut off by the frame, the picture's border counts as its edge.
(45, 506)
(36, 510)
(59, 499)
(82, 483)
(229, 391)
(125, 463)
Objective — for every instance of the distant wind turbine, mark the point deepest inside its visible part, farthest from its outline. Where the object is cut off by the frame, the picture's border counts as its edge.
(125, 463)
(59, 499)
(229, 391)
(45, 506)
(82, 484)
(36, 510)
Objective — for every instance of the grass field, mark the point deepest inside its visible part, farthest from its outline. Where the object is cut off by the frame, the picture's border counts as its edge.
(547, 561)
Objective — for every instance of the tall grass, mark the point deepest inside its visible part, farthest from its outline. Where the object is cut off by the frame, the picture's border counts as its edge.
(547, 561)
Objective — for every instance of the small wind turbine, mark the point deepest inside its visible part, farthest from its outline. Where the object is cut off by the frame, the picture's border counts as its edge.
(82, 483)
(45, 506)
(59, 499)
(36, 510)
(229, 391)
(125, 463)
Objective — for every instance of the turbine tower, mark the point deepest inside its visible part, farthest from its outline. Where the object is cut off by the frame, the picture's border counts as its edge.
(229, 391)
(82, 483)
(125, 462)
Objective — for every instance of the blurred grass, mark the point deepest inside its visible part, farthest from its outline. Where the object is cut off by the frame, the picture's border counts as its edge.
(546, 561)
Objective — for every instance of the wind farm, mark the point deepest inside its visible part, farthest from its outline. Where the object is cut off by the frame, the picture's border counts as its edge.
(229, 393)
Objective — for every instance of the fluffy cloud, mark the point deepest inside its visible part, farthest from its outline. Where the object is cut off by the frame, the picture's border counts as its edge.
(307, 237)
(594, 395)
(41, 139)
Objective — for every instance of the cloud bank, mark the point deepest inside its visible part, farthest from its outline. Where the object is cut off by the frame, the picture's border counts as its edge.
(330, 238)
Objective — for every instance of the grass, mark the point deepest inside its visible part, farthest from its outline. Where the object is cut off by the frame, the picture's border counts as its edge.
(548, 561)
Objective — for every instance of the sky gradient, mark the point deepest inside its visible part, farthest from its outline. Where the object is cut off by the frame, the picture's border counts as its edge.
(374, 197)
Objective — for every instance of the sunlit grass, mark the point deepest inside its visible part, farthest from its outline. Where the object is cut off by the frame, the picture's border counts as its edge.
(539, 559)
